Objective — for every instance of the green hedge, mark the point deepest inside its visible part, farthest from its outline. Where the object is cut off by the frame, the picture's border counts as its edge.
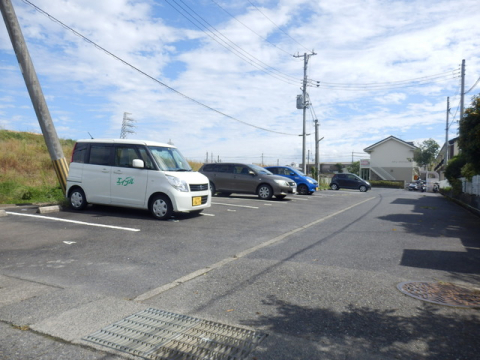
(399, 184)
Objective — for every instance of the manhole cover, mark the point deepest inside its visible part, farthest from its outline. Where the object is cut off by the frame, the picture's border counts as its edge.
(161, 335)
(442, 293)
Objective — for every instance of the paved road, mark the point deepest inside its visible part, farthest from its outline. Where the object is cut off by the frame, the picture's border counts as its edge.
(318, 274)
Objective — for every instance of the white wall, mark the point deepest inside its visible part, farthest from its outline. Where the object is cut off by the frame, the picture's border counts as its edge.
(392, 154)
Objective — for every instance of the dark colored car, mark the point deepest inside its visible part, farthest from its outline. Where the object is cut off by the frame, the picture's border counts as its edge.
(349, 181)
(416, 185)
(227, 178)
(305, 184)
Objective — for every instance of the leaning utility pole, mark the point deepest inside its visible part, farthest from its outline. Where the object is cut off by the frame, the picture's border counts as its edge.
(304, 105)
(35, 91)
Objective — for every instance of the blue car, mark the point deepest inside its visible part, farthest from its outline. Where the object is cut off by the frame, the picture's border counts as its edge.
(305, 184)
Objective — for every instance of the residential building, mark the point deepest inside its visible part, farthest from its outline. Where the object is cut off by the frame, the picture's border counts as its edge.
(440, 163)
(390, 159)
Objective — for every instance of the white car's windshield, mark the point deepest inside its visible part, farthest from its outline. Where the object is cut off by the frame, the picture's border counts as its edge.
(169, 159)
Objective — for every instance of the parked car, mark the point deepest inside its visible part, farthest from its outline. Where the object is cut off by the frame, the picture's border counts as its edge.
(416, 185)
(136, 174)
(349, 181)
(227, 178)
(305, 184)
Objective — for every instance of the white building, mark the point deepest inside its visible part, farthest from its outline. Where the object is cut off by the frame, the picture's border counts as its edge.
(390, 159)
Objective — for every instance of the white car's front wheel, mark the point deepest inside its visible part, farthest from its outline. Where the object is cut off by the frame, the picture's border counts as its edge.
(161, 207)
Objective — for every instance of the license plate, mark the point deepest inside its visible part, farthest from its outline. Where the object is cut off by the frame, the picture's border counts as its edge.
(196, 200)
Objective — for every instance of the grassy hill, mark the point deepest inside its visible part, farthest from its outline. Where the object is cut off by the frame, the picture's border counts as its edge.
(26, 170)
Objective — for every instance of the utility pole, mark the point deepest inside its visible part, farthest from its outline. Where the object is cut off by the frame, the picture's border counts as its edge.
(462, 91)
(304, 104)
(446, 134)
(35, 91)
(316, 147)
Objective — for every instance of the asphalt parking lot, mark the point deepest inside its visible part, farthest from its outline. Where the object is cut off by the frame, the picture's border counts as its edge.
(317, 274)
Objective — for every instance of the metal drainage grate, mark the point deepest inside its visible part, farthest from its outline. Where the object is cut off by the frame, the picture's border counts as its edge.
(442, 293)
(161, 335)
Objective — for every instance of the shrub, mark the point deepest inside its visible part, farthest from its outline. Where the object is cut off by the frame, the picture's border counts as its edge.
(387, 184)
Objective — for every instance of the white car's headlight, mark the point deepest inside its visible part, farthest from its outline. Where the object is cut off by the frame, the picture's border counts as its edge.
(177, 183)
(282, 182)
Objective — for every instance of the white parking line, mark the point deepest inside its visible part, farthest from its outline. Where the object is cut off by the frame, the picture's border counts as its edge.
(75, 222)
(243, 206)
(254, 198)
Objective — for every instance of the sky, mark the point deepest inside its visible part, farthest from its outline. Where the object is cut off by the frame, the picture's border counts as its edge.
(220, 79)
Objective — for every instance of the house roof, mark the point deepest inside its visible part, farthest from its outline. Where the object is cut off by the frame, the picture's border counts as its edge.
(391, 137)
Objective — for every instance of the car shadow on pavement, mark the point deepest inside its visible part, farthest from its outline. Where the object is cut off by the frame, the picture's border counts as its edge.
(360, 332)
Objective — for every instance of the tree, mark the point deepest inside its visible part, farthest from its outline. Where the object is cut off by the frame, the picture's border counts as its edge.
(339, 167)
(354, 168)
(426, 153)
(469, 138)
(453, 172)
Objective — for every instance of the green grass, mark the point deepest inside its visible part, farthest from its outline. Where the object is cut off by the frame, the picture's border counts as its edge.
(15, 193)
(26, 171)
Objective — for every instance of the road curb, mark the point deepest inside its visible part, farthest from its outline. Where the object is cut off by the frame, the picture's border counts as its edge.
(48, 209)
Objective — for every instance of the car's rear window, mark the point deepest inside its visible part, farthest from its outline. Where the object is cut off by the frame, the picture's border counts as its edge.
(79, 152)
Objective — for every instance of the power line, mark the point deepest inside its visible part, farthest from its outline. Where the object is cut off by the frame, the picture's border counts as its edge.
(278, 27)
(473, 87)
(260, 36)
(195, 19)
(449, 75)
(147, 75)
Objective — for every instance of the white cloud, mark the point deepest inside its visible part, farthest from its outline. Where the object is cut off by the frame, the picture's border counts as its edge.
(357, 42)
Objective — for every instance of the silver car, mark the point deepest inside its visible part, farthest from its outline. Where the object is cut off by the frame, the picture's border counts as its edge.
(227, 178)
